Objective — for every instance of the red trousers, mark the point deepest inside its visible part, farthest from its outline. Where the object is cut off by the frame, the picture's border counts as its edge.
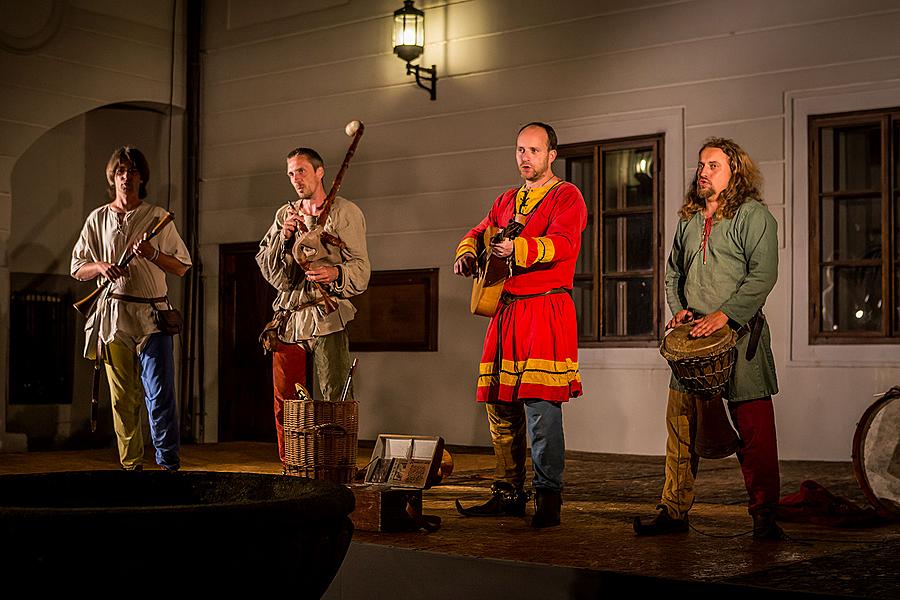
(288, 368)
(758, 454)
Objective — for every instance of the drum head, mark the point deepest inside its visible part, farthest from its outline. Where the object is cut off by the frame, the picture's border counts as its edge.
(678, 344)
(876, 453)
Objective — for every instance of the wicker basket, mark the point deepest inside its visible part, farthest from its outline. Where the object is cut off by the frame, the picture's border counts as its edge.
(320, 439)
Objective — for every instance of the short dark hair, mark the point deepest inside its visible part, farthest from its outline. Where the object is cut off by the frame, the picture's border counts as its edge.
(132, 158)
(551, 135)
(314, 158)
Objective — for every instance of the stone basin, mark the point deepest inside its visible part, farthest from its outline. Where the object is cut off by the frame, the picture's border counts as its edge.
(207, 528)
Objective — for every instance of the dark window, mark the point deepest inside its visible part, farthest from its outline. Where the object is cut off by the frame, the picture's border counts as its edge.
(42, 338)
(854, 236)
(617, 278)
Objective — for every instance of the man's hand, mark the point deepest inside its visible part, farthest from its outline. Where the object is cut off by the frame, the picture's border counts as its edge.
(681, 317)
(290, 224)
(111, 271)
(709, 324)
(144, 249)
(324, 274)
(503, 248)
(464, 265)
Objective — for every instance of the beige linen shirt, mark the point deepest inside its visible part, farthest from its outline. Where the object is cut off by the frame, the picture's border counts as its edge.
(107, 236)
(347, 222)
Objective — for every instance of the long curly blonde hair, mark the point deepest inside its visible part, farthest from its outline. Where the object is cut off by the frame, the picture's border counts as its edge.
(743, 186)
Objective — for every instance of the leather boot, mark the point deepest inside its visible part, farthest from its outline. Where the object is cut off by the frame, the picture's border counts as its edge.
(662, 524)
(765, 527)
(547, 504)
(505, 500)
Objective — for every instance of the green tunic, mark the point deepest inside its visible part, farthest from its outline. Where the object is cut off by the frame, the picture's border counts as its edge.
(739, 270)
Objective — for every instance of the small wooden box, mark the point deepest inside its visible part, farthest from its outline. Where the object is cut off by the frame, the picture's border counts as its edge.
(391, 497)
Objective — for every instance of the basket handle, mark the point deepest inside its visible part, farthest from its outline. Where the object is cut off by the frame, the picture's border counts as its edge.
(319, 428)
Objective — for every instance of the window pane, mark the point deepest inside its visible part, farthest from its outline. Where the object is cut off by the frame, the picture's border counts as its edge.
(896, 154)
(851, 228)
(628, 178)
(851, 158)
(627, 243)
(897, 298)
(581, 174)
(627, 306)
(897, 224)
(851, 299)
(585, 261)
(583, 294)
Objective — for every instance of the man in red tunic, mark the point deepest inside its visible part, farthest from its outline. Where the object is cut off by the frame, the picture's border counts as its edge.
(529, 365)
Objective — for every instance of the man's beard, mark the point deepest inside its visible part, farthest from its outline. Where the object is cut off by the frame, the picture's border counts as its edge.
(536, 174)
(705, 193)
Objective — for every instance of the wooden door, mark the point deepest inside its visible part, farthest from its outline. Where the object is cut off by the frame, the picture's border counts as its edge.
(245, 373)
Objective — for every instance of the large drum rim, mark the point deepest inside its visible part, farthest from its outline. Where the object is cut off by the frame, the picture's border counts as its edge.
(857, 454)
(730, 342)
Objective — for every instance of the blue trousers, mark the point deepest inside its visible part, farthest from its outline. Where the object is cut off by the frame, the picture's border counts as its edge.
(543, 421)
(147, 377)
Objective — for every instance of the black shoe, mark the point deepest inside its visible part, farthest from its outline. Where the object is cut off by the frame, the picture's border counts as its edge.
(661, 524)
(547, 504)
(765, 527)
(505, 500)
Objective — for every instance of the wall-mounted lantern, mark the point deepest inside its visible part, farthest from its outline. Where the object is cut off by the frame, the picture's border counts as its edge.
(409, 43)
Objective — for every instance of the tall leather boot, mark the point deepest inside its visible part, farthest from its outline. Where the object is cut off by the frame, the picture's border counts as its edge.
(505, 500)
(765, 527)
(547, 504)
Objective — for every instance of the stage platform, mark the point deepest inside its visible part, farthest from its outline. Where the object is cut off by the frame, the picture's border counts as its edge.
(594, 553)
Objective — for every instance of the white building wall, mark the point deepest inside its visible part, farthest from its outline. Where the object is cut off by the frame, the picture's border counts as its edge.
(278, 74)
(281, 75)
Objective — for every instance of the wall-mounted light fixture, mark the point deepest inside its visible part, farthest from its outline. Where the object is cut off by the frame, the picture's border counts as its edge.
(409, 43)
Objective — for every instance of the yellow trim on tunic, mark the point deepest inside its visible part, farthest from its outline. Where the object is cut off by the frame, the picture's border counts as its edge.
(544, 250)
(520, 251)
(533, 370)
(528, 199)
(467, 246)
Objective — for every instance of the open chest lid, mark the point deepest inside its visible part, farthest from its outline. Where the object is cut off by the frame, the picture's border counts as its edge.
(405, 461)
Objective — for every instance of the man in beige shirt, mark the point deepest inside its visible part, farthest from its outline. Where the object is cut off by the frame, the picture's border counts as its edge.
(122, 330)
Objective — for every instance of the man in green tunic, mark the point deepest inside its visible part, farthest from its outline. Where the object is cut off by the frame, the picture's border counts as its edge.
(724, 263)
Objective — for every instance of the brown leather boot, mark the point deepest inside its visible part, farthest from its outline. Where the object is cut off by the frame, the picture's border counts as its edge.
(661, 524)
(765, 527)
(505, 500)
(547, 505)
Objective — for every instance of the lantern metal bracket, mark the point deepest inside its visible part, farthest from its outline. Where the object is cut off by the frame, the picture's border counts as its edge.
(431, 77)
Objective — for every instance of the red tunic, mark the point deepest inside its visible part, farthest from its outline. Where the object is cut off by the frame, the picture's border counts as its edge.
(531, 346)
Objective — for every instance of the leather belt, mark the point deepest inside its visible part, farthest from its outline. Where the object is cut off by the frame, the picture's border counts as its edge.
(507, 298)
(128, 298)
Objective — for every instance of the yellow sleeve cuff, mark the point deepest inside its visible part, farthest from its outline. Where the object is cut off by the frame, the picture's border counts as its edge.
(467, 246)
(529, 251)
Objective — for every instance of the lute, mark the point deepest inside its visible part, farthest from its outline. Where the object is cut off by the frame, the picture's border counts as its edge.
(491, 272)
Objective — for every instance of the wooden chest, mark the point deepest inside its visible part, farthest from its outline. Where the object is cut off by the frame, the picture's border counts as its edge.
(391, 497)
